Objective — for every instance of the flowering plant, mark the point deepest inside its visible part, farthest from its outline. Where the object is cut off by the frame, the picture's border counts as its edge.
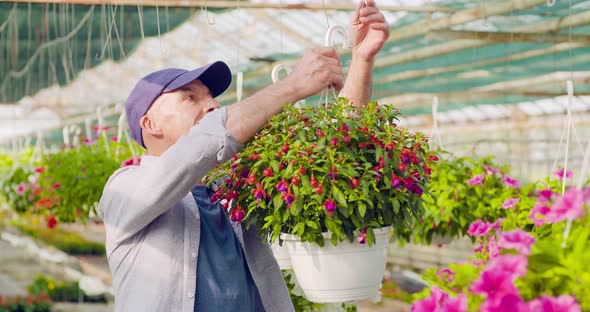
(73, 179)
(19, 187)
(517, 270)
(463, 190)
(332, 169)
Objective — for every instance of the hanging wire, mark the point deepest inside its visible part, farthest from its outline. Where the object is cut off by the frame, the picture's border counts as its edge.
(326, 14)
(210, 20)
(44, 46)
(9, 17)
(140, 14)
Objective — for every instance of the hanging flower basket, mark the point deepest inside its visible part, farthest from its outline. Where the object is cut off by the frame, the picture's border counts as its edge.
(333, 173)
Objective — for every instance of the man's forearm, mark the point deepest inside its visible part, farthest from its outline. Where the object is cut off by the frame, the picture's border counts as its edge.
(247, 116)
(359, 81)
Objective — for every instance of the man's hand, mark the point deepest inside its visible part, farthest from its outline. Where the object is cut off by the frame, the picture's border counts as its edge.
(368, 31)
(318, 69)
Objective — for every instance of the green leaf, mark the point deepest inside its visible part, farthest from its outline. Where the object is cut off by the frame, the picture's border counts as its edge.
(311, 224)
(362, 209)
(339, 196)
(395, 204)
(278, 202)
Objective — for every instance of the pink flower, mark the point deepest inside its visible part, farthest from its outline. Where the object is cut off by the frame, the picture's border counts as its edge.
(568, 207)
(479, 228)
(362, 236)
(516, 265)
(505, 303)
(330, 206)
(510, 182)
(440, 301)
(446, 274)
(545, 195)
(510, 203)
(493, 248)
(457, 304)
(518, 240)
(563, 303)
(40, 169)
(538, 214)
(491, 171)
(20, 189)
(288, 198)
(476, 180)
(57, 185)
(560, 173)
(494, 284)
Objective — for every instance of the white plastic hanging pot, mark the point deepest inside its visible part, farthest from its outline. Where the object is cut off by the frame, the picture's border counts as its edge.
(346, 272)
(282, 256)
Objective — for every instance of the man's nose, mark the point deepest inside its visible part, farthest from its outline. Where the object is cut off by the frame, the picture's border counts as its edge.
(211, 105)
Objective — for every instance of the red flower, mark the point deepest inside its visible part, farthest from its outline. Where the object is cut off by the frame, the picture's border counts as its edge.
(232, 195)
(114, 139)
(401, 167)
(334, 142)
(40, 169)
(346, 139)
(344, 127)
(267, 172)
(56, 185)
(279, 154)
(355, 182)
(255, 157)
(432, 158)
(302, 170)
(319, 189)
(295, 180)
(313, 182)
(237, 214)
(288, 198)
(259, 192)
(362, 145)
(285, 148)
(395, 181)
(305, 119)
(320, 133)
(51, 221)
(251, 180)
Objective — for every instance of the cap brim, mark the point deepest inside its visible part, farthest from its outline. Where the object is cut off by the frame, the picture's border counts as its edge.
(216, 76)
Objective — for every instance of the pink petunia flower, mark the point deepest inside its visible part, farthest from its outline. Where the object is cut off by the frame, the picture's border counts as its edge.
(479, 228)
(491, 171)
(476, 180)
(515, 265)
(569, 207)
(20, 189)
(439, 301)
(518, 240)
(494, 284)
(510, 182)
(510, 203)
(446, 274)
(505, 303)
(494, 249)
(538, 214)
(545, 195)
(559, 173)
(563, 303)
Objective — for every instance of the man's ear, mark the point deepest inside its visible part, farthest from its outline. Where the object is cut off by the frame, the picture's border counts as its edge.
(148, 126)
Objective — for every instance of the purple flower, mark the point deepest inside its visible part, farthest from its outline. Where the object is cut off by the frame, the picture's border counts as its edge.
(476, 180)
(518, 240)
(563, 303)
(568, 207)
(362, 236)
(560, 173)
(416, 189)
(245, 173)
(510, 182)
(289, 198)
(510, 203)
(282, 186)
(491, 171)
(330, 206)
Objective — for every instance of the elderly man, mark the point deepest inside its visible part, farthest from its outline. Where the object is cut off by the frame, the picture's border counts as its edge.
(169, 248)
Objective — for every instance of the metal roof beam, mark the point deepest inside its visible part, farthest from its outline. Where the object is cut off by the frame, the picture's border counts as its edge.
(508, 37)
(245, 5)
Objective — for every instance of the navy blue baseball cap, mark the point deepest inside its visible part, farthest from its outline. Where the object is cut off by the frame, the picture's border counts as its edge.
(216, 76)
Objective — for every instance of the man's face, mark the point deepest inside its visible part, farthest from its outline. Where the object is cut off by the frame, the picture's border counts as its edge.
(175, 113)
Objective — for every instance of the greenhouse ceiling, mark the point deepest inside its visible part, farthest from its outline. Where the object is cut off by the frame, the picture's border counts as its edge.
(70, 58)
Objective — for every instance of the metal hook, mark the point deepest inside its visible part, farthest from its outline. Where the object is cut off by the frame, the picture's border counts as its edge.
(277, 69)
(211, 22)
(332, 31)
(551, 3)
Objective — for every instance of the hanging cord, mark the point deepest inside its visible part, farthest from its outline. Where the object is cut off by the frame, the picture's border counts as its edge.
(37, 153)
(240, 74)
(45, 45)
(8, 18)
(570, 95)
(435, 130)
(210, 20)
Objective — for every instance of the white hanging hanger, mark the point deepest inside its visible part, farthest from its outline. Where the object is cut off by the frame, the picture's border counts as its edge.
(329, 42)
(435, 130)
(239, 85)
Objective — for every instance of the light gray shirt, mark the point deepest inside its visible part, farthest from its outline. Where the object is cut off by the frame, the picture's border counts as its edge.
(153, 226)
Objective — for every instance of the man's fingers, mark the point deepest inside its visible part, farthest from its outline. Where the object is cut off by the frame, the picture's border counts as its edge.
(336, 81)
(356, 15)
(327, 51)
(380, 26)
(373, 18)
(330, 60)
(368, 11)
